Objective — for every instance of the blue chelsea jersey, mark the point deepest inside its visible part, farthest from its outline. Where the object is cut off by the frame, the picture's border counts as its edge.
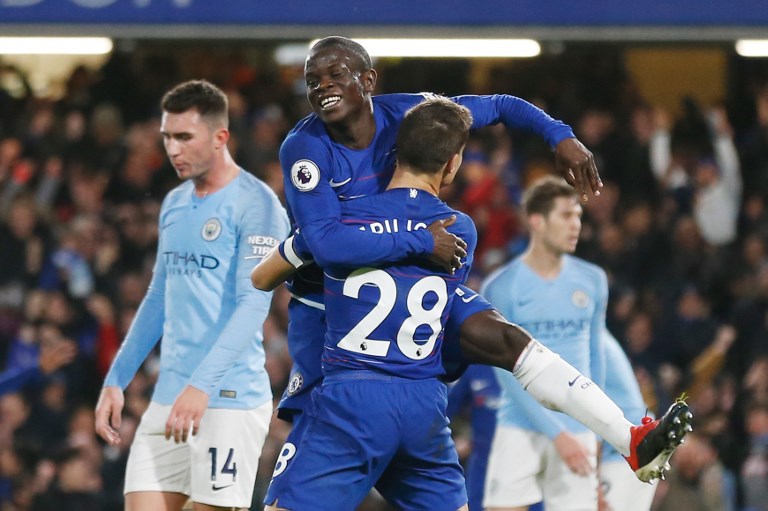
(319, 173)
(390, 318)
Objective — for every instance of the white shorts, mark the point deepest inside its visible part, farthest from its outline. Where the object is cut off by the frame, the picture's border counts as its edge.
(524, 468)
(622, 490)
(216, 467)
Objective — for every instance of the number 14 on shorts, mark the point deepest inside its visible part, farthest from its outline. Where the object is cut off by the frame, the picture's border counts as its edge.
(229, 467)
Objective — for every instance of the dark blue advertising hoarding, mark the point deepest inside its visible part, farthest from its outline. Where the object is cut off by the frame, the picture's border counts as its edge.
(544, 13)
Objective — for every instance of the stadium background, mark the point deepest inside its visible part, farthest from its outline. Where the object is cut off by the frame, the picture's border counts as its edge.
(82, 172)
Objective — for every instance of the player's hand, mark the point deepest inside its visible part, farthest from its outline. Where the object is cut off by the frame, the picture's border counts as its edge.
(56, 354)
(108, 414)
(448, 249)
(573, 453)
(577, 165)
(186, 412)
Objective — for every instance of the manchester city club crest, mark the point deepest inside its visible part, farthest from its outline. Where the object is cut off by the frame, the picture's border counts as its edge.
(211, 229)
(305, 175)
(580, 299)
(297, 381)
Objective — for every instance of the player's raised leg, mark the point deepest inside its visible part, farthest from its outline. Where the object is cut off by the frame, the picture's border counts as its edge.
(488, 338)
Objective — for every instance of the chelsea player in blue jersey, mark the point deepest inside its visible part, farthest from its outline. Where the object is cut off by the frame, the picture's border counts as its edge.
(213, 229)
(346, 149)
(379, 415)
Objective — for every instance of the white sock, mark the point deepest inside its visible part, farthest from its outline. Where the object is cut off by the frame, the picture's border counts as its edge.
(557, 385)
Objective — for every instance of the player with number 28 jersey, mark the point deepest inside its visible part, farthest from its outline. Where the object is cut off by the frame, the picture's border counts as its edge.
(364, 307)
(379, 416)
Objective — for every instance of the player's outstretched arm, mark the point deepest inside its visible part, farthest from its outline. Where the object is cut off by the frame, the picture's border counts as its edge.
(109, 411)
(572, 160)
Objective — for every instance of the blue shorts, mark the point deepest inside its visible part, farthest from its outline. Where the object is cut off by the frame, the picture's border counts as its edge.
(306, 335)
(363, 429)
(465, 304)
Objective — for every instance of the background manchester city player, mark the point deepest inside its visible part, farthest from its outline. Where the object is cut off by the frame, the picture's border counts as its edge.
(214, 228)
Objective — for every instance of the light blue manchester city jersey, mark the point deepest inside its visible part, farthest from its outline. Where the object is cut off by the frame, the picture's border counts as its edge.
(566, 314)
(201, 300)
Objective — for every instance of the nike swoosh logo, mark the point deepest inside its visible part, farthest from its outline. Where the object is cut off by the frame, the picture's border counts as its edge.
(334, 184)
(467, 300)
(165, 226)
(217, 488)
(523, 303)
(570, 383)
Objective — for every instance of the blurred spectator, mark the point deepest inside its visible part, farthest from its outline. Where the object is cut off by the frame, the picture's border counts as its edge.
(697, 481)
(698, 162)
(76, 485)
(754, 472)
(52, 356)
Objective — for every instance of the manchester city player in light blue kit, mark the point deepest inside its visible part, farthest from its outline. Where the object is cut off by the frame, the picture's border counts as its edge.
(214, 228)
(561, 301)
(379, 415)
(621, 489)
(538, 454)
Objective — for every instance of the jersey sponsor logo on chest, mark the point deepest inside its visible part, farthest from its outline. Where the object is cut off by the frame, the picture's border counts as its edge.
(189, 264)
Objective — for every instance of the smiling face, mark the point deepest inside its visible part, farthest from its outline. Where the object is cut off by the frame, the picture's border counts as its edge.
(338, 85)
(559, 229)
(190, 143)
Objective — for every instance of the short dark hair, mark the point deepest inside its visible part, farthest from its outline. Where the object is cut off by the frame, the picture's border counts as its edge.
(432, 132)
(540, 197)
(201, 95)
(353, 47)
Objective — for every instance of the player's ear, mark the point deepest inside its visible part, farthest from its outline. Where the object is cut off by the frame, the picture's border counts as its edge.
(221, 138)
(535, 220)
(369, 80)
(454, 163)
(451, 168)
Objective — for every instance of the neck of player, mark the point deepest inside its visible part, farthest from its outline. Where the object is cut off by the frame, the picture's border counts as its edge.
(544, 261)
(355, 132)
(405, 177)
(223, 171)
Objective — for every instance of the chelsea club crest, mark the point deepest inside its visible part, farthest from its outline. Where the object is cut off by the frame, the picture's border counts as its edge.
(297, 381)
(211, 229)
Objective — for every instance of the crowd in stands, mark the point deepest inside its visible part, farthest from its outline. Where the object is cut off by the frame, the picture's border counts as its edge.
(681, 228)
